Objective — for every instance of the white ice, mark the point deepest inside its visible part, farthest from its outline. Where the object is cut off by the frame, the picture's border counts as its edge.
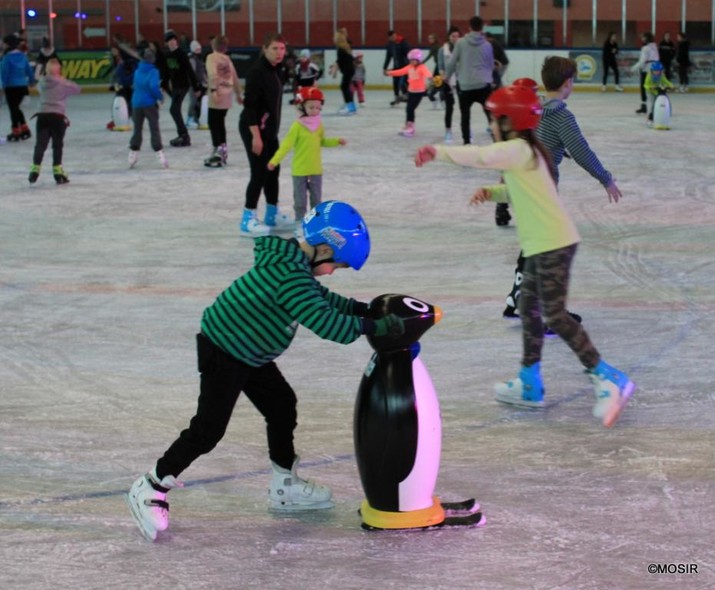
(102, 286)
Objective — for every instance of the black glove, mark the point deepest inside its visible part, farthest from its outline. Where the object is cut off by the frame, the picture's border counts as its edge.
(361, 309)
(391, 325)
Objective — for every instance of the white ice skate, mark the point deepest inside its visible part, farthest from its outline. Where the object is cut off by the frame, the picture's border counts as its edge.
(162, 159)
(289, 492)
(148, 504)
(613, 390)
(132, 158)
(409, 130)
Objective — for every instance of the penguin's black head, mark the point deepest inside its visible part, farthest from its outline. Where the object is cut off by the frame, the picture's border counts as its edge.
(418, 316)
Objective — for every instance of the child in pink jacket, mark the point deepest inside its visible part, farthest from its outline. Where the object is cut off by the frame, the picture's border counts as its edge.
(417, 76)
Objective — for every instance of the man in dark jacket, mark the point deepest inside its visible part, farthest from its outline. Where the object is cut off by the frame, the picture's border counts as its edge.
(179, 78)
(397, 49)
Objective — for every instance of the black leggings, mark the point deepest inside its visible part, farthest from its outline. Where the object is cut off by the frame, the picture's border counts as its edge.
(261, 179)
(217, 126)
(448, 99)
(413, 101)
(223, 378)
(50, 126)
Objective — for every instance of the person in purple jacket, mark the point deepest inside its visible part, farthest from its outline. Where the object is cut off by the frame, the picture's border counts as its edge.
(51, 120)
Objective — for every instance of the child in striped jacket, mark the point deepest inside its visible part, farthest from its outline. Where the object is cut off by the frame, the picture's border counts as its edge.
(242, 333)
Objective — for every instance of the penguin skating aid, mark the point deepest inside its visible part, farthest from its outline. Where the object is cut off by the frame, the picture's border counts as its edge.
(398, 431)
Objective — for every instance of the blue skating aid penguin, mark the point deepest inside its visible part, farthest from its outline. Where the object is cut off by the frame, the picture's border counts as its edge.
(398, 428)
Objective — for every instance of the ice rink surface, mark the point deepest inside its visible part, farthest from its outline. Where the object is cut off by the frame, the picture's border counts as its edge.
(102, 286)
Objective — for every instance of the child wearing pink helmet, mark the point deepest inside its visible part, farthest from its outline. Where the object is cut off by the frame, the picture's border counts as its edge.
(418, 75)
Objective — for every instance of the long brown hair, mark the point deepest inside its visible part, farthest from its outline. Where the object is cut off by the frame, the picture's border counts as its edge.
(529, 136)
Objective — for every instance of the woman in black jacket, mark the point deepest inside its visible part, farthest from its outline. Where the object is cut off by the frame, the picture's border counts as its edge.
(610, 52)
(346, 64)
(682, 56)
(258, 126)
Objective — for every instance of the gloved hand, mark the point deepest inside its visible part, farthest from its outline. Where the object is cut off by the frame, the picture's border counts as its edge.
(391, 325)
(361, 309)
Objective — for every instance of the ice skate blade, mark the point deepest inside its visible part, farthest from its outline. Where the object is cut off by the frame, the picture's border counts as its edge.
(610, 419)
(520, 403)
(279, 507)
(469, 520)
(148, 533)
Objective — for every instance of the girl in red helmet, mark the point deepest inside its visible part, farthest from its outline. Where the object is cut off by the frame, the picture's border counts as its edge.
(306, 137)
(549, 240)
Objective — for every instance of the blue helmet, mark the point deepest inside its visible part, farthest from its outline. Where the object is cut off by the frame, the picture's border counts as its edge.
(341, 227)
(656, 66)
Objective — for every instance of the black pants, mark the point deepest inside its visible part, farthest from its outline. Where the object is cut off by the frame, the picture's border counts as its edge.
(261, 179)
(217, 126)
(611, 65)
(466, 99)
(448, 99)
(50, 126)
(177, 99)
(223, 378)
(399, 84)
(643, 94)
(346, 86)
(14, 96)
(683, 75)
(126, 92)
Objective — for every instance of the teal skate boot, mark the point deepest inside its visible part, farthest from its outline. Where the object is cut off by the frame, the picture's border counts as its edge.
(526, 391)
(613, 390)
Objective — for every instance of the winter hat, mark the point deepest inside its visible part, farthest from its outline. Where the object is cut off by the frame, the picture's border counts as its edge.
(305, 54)
(169, 35)
(12, 41)
(149, 56)
(195, 46)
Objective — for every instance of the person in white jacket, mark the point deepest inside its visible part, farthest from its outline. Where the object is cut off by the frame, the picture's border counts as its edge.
(649, 54)
(223, 86)
(449, 85)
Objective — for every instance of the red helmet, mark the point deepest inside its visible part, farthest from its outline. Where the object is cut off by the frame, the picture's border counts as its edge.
(520, 104)
(309, 93)
(526, 83)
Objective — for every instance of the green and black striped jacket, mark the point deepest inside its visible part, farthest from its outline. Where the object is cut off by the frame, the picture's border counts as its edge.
(255, 319)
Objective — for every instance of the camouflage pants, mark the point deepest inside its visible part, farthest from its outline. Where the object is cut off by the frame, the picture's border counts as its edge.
(544, 292)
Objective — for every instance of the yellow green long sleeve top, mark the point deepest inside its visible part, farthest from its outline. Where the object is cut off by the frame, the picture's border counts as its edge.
(542, 222)
(306, 143)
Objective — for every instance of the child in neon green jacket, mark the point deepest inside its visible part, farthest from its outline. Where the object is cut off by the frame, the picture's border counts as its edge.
(306, 137)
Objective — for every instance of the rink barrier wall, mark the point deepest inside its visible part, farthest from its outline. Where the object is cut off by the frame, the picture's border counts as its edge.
(93, 69)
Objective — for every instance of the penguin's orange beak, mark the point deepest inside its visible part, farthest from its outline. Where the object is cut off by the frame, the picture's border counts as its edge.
(437, 314)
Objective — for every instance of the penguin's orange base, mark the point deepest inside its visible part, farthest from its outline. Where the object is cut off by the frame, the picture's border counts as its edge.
(412, 519)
